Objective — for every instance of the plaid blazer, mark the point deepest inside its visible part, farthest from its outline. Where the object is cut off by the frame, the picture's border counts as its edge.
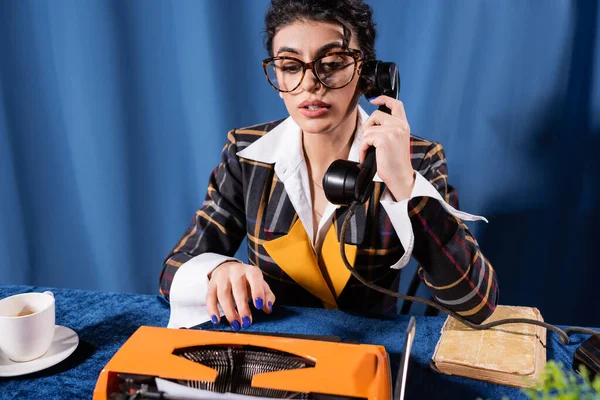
(245, 198)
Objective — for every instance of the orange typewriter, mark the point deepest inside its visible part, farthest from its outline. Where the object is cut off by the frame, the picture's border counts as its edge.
(225, 364)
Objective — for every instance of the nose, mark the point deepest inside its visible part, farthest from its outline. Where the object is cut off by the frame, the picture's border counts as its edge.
(310, 82)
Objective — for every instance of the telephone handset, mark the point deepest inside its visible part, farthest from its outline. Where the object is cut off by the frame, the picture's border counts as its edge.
(346, 181)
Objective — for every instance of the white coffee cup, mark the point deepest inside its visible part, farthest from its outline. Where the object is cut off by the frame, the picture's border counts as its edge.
(26, 325)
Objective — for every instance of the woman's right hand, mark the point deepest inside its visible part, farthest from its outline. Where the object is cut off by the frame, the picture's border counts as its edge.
(230, 285)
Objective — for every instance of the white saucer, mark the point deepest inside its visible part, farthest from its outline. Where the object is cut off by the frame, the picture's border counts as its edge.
(63, 345)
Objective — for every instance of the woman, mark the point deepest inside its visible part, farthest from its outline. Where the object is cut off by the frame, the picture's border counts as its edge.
(268, 188)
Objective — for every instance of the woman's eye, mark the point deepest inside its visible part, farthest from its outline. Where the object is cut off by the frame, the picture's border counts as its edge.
(291, 69)
(332, 66)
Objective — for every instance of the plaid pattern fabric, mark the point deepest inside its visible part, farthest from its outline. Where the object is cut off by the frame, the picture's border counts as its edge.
(246, 198)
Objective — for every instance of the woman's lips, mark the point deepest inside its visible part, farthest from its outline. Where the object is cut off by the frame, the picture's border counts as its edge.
(313, 108)
(313, 112)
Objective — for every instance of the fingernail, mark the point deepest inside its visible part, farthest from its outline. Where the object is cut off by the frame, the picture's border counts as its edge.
(259, 303)
(270, 305)
(235, 325)
(246, 322)
(214, 319)
(371, 98)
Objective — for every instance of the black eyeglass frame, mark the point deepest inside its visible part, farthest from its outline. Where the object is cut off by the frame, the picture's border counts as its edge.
(357, 55)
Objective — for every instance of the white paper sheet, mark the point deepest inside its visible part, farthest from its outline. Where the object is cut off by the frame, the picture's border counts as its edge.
(183, 392)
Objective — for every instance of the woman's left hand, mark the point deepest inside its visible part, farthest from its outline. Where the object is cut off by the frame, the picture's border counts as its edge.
(390, 135)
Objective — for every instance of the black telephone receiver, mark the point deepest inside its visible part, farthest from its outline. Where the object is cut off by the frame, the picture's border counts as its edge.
(346, 181)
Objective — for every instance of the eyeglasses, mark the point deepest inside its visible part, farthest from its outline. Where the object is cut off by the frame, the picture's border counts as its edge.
(333, 70)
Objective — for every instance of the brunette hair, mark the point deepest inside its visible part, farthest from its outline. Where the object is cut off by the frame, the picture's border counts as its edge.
(353, 15)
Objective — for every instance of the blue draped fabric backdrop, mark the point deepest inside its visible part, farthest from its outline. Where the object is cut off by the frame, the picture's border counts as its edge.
(113, 114)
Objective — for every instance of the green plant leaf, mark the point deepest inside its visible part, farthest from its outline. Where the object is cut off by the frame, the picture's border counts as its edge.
(560, 383)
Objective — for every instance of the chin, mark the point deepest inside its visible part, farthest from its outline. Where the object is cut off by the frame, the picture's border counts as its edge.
(316, 127)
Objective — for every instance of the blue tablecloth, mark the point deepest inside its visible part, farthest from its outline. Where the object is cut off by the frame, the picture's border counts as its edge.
(104, 321)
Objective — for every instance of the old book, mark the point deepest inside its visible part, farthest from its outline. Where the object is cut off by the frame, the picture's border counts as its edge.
(512, 354)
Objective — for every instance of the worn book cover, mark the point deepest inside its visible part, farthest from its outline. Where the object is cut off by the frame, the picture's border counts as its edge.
(511, 354)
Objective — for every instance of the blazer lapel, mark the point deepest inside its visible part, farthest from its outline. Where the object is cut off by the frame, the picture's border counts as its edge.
(280, 213)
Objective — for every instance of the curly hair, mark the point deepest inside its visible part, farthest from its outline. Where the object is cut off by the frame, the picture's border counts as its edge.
(353, 15)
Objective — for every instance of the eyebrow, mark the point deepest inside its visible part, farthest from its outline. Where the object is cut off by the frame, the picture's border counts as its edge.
(322, 49)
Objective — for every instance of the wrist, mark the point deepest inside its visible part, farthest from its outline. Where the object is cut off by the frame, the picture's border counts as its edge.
(402, 187)
(225, 263)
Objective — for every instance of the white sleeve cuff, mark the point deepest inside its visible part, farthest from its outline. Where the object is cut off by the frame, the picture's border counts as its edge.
(398, 213)
(188, 290)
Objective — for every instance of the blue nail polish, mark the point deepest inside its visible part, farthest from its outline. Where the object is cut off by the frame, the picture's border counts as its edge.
(371, 98)
(214, 319)
(235, 325)
(270, 306)
(246, 322)
(259, 303)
